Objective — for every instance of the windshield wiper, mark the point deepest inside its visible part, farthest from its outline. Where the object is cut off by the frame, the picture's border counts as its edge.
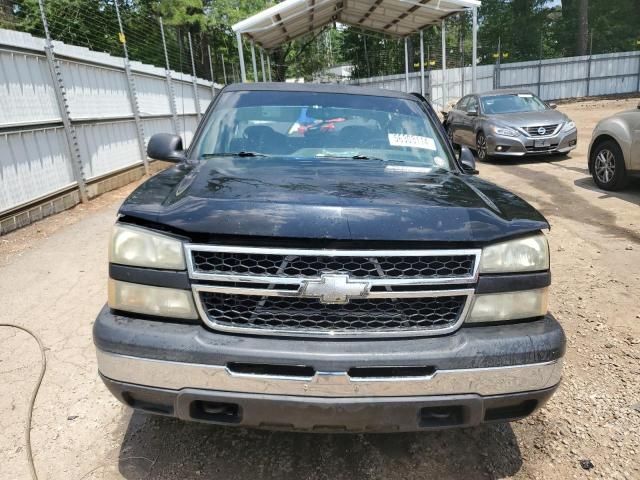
(357, 156)
(233, 154)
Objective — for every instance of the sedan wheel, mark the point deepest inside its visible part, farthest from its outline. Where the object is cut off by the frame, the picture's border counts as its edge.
(481, 147)
(607, 166)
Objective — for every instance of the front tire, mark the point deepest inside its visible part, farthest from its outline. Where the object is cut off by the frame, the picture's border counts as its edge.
(481, 147)
(607, 166)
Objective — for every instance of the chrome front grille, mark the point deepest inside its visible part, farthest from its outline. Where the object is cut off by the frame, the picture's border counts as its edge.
(321, 292)
(309, 266)
(312, 316)
(541, 130)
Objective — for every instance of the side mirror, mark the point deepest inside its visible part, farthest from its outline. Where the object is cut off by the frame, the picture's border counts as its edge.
(468, 161)
(553, 106)
(472, 112)
(167, 147)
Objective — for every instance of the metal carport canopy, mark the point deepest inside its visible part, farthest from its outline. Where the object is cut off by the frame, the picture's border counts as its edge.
(291, 19)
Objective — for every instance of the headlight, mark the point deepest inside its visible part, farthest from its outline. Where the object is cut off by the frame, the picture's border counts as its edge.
(569, 126)
(145, 248)
(499, 307)
(505, 132)
(528, 254)
(165, 302)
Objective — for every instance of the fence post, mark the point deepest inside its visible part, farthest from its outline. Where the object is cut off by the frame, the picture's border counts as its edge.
(422, 63)
(264, 72)
(133, 97)
(269, 67)
(170, 91)
(194, 79)
(406, 64)
(474, 54)
(589, 66)
(63, 106)
(444, 66)
(639, 71)
(253, 62)
(224, 69)
(539, 77)
(213, 82)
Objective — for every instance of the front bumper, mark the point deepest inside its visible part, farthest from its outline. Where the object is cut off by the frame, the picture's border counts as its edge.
(478, 374)
(563, 142)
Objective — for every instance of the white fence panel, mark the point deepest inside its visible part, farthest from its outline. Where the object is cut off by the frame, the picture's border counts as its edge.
(33, 163)
(95, 92)
(187, 127)
(26, 93)
(552, 79)
(151, 126)
(185, 103)
(108, 146)
(205, 96)
(153, 98)
(459, 82)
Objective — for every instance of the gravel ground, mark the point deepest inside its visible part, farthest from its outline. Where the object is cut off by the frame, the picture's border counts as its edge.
(53, 280)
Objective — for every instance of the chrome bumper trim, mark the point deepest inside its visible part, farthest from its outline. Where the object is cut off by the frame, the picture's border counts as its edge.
(176, 376)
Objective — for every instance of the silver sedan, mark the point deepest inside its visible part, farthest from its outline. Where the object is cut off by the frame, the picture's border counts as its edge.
(614, 152)
(510, 123)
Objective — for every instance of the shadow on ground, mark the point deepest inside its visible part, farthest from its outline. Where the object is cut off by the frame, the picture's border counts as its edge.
(525, 160)
(631, 193)
(165, 448)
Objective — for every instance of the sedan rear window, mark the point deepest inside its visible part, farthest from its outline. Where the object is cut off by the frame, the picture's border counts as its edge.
(310, 125)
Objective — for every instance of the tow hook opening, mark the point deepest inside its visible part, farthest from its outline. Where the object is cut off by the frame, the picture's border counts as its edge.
(443, 416)
(215, 411)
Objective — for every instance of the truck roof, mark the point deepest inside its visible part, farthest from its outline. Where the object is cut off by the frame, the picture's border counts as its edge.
(317, 88)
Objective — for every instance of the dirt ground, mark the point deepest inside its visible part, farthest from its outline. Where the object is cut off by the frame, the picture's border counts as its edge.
(53, 280)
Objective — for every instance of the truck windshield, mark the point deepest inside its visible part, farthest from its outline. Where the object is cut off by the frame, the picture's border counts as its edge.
(309, 125)
(512, 103)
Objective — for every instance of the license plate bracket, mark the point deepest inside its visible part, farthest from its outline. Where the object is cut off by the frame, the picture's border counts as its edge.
(542, 143)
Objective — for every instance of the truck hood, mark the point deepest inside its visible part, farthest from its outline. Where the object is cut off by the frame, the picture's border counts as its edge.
(328, 199)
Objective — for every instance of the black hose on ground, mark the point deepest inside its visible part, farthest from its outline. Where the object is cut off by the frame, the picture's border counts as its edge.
(34, 394)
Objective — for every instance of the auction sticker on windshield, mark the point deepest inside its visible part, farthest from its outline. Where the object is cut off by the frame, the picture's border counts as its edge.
(414, 141)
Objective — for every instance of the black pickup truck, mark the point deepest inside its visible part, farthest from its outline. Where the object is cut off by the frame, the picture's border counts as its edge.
(320, 260)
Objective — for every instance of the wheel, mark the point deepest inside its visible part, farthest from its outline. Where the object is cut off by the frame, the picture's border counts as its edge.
(607, 166)
(481, 147)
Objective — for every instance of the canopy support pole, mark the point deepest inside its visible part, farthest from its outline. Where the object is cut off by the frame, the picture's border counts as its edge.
(243, 72)
(474, 59)
(253, 61)
(406, 63)
(264, 72)
(421, 63)
(269, 65)
(444, 67)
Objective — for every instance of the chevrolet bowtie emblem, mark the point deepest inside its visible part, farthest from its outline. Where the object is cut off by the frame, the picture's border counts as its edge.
(334, 288)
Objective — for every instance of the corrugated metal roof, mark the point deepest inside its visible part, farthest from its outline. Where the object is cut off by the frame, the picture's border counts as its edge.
(291, 19)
